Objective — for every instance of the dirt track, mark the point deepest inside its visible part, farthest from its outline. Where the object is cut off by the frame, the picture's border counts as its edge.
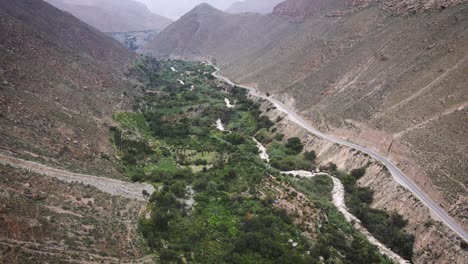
(111, 186)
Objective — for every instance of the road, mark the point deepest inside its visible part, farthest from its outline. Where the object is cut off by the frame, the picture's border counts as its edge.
(397, 174)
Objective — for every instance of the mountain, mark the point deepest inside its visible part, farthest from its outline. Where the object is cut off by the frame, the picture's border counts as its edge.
(204, 31)
(60, 81)
(388, 75)
(113, 16)
(253, 6)
(176, 9)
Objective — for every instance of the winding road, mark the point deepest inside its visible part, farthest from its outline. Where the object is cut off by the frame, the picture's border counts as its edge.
(397, 174)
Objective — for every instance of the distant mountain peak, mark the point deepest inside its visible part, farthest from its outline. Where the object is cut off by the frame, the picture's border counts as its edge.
(204, 7)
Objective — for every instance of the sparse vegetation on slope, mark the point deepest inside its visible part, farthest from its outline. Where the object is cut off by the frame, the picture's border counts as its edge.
(58, 88)
(44, 220)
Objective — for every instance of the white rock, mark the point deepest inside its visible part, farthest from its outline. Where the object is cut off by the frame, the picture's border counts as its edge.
(228, 103)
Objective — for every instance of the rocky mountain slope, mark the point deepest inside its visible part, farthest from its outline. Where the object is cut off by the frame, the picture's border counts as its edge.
(57, 87)
(203, 29)
(113, 16)
(254, 6)
(60, 81)
(389, 75)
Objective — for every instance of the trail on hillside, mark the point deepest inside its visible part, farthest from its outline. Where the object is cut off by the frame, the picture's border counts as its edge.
(338, 198)
(111, 186)
(263, 151)
(66, 255)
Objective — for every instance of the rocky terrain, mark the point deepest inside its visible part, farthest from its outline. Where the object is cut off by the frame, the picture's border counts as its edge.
(253, 6)
(46, 221)
(58, 87)
(388, 75)
(113, 16)
(299, 10)
(60, 82)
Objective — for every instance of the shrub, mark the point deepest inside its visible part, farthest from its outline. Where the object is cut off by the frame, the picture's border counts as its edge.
(136, 178)
(310, 155)
(279, 137)
(295, 146)
(358, 173)
(168, 255)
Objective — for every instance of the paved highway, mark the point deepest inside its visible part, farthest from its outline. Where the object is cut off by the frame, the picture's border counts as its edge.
(397, 174)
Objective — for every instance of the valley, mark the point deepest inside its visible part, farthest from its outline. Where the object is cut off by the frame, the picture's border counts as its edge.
(172, 158)
(381, 74)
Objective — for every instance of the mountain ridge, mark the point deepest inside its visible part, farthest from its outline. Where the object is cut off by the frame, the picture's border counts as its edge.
(112, 16)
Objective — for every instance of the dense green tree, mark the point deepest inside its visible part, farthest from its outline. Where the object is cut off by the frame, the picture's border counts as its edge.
(310, 155)
(294, 145)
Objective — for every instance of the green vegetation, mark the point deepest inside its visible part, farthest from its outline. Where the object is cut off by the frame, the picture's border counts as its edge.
(387, 228)
(336, 234)
(286, 157)
(208, 207)
(294, 146)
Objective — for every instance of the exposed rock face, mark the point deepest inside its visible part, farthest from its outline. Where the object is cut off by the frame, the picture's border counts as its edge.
(57, 87)
(412, 6)
(254, 6)
(113, 16)
(299, 10)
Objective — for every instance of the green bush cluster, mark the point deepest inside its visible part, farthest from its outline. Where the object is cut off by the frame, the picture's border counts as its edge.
(387, 228)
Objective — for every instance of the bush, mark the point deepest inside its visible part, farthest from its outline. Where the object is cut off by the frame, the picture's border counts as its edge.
(129, 159)
(235, 138)
(137, 178)
(358, 173)
(310, 155)
(168, 255)
(294, 146)
(279, 137)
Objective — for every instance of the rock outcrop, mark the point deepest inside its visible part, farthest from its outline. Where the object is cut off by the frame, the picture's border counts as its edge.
(299, 10)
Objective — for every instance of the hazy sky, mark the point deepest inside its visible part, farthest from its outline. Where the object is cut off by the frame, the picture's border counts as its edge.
(173, 9)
